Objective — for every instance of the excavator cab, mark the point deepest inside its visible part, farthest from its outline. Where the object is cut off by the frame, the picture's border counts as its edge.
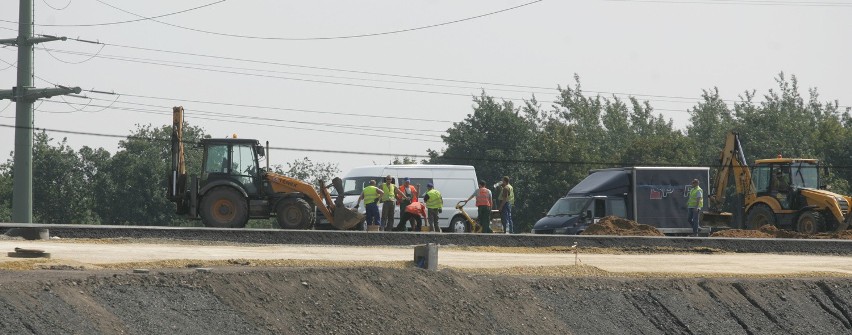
(233, 161)
(782, 178)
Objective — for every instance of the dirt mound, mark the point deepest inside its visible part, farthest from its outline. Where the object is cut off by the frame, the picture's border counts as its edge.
(613, 225)
(741, 233)
(844, 235)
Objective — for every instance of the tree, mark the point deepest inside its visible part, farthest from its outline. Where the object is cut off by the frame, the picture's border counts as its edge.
(136, 176)
(309, 171)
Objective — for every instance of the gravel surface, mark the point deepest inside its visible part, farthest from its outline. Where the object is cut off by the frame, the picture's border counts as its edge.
(371, 300)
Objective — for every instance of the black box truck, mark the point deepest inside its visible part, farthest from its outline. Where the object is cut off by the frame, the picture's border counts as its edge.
(653, 196)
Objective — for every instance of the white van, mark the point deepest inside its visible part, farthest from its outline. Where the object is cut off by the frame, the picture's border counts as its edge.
(455, 182)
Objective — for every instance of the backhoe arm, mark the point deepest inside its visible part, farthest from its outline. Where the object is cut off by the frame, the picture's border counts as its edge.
(731, 161)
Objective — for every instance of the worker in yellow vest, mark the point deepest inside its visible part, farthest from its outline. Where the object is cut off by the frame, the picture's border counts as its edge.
(388, 203)
(434, 203)
(507, 201)
(694, 203)
(371, 195)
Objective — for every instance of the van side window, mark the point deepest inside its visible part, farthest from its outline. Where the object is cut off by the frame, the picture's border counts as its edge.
(600, 208)
(616, 207)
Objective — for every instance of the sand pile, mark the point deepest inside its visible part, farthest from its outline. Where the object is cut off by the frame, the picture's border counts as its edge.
(616, 226)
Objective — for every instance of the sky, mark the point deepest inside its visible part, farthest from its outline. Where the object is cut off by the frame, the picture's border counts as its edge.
(292, 73)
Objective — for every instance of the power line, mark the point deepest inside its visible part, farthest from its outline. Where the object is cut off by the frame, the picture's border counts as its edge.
(92, 56)
(690, 99)
(196, 67)
(192, 111)
(362, 131)
(747, 2)
(54, 8)
(220, 103)
(327, 37)
(154, 61)
(120, 22)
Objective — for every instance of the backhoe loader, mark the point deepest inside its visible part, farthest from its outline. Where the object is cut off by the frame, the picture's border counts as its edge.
(785, 192)
(232, 188)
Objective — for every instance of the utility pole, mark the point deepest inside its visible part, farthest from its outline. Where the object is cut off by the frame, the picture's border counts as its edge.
(24, 94)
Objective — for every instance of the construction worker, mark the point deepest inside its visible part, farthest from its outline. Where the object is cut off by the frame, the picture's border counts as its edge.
(694, 202)
(507, 200)
(388, 203)
(483, 205)
(413, 212)
(371, 195)
(779, 187)
(405, 195)
(434, 203)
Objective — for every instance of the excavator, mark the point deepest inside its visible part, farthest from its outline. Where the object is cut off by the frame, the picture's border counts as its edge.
(232, 189)
(784, 192)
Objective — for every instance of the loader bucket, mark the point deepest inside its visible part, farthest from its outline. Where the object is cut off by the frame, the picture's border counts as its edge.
(345, 218)
(721, 219)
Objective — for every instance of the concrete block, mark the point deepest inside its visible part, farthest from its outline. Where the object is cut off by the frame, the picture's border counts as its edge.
(426, 256)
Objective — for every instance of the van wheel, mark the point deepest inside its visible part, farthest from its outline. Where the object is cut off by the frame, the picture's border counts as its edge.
(459, 225)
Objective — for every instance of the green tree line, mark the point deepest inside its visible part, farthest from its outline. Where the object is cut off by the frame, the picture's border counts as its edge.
(548, 150)
(545, 147)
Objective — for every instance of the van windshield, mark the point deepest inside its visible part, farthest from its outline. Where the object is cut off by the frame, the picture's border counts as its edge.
(354, 186)
(568, 206)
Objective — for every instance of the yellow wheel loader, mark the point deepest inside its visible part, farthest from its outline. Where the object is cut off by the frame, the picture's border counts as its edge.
(784, 192)
(232, 188)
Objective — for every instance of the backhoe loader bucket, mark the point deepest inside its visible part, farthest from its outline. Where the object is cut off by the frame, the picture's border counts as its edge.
(345, 218)
(716, 219)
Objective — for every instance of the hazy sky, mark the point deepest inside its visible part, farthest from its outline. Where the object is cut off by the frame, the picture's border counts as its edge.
(663, 48)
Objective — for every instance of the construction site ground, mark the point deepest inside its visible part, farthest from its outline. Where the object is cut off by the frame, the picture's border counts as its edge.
(167, 286)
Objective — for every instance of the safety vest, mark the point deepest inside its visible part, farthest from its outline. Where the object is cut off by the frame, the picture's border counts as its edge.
(370, 194)
(409, 191)
(511, 199)
(389, 192)
(694, 200)
(483, 197)
(435, 201)
(415, 208)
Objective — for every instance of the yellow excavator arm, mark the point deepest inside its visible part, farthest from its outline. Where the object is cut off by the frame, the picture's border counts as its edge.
(731, 162)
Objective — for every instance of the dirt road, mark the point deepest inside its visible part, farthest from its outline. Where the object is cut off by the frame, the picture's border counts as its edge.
(100, 253)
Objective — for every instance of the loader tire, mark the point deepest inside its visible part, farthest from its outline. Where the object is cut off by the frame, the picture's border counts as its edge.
(293, 213)
(224, 207)
(810, 223)
(758, 216)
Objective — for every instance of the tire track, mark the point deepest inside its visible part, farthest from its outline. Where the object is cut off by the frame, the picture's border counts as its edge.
(842, 313)
(735, 316)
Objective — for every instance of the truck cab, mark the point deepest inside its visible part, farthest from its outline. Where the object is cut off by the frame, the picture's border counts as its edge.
(573, 214)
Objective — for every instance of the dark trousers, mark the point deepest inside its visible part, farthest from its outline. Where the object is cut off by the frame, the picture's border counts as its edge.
(408, 217)
(372, 213)
(387, 215)
(433, 219)
(693, 219)
(484, 218)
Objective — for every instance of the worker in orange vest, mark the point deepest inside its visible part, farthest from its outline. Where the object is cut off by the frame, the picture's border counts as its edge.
(415, 211)
(483, 204)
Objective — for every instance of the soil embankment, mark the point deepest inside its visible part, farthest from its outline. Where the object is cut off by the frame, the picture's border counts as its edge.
(616, 226)
(380, 300)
